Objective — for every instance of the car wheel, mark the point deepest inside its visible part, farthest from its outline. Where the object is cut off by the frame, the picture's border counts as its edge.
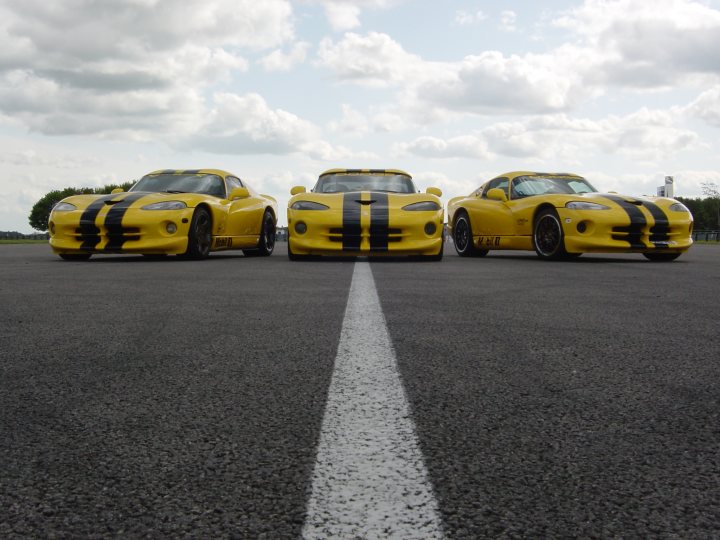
(548, 237)
(661, 257)
(462, 237)
(200, 235)
(75, 256)
(267, 238)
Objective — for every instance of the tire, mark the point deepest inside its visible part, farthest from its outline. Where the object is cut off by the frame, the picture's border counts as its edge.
(548, 236)
(462, 237)
(200, 235)
(75, 256)
(661, 257)
(266, 244)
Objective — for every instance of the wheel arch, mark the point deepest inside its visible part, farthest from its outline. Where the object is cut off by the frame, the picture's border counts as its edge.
(541, 208)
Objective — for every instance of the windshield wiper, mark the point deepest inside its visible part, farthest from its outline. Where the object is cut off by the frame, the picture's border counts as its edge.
(174, 191)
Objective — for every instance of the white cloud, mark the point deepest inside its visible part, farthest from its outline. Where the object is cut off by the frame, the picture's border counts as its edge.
(707, 107)
(345, 14)
(281, 61)
(644, 135)
(468, 18)
(126, 69)
(244, 124)
(374, 59)
(466, 146)
(353, 122)
(646, 44)
(507, 21)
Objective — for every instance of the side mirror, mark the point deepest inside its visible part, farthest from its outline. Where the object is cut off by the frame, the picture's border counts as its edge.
(434, 191)
(297, 189)
(497, 194)
(239, 193)
(117, 190)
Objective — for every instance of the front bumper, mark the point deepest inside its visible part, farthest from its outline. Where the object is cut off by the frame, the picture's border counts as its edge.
(141, 231)
(596, 232)
(407, 233)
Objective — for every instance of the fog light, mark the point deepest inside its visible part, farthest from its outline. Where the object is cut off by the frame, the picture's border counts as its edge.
(430, 228)
(171, 228)
(582, 227)
(51, 227)
(300, 227)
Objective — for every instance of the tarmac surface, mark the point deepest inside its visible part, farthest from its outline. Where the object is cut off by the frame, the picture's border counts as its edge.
(172, 398)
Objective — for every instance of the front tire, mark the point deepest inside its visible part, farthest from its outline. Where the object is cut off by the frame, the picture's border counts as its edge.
(463, 238)
(266, 244)
(661, 257)
(548, 236)
(200, 235)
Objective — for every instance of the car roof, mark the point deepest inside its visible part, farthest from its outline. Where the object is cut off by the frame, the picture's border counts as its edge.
(515, 174)
(219, 172)
(365, 171)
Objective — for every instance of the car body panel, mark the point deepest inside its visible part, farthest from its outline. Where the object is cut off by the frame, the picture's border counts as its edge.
(117, 223)
(628, 225)
(365, 222)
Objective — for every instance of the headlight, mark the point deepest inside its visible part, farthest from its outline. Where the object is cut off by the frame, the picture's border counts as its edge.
(308, 205)
(64, 207)
(425, 206)
(678, 207)
(166, 205)
(583, 205)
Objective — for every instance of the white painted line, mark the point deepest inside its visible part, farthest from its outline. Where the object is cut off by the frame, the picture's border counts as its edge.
(369, 480)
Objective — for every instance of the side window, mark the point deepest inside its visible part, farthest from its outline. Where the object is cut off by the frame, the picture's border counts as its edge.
(233, 183)
(500, 183)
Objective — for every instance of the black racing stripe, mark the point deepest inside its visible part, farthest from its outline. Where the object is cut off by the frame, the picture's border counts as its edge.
(633, 233)
(113, 222)
(660, 232)
(379, 222)
(89, 232)
(351, 231)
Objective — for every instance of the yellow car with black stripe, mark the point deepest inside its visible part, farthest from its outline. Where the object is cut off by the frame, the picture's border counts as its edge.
(365, 212)
(181, 212)
(562, 215)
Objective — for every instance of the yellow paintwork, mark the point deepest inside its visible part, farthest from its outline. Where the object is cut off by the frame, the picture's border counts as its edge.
(236, 223)
(502, 223)
(327, 230)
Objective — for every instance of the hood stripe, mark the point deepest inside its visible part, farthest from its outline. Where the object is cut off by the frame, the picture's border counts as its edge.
(113, 221)
(89, 232)
(351, 230)
(636, 229)
(379, 221)
(660, 232)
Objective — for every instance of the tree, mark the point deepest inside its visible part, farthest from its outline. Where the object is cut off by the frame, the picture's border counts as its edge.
(40, 213)
(710, 190)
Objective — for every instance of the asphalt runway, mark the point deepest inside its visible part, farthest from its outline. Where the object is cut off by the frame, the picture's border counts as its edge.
(171, 398)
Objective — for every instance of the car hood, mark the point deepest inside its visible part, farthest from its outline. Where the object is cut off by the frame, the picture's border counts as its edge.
(135, 198)
(336, 200)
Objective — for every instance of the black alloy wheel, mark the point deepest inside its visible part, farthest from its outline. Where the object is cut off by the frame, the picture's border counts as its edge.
(462, 237)
(200, 235)
(548, 237)
(266, 245)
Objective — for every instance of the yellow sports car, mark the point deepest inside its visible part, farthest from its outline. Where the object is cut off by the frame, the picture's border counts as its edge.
(562, 215)
(186, 212)
(356, 212)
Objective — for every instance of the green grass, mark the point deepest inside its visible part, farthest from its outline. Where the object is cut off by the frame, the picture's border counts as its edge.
(23, 241)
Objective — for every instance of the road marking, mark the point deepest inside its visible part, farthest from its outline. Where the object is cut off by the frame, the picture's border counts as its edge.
(369, 480)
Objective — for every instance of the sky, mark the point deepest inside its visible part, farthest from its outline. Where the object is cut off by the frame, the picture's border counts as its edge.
(93, 92)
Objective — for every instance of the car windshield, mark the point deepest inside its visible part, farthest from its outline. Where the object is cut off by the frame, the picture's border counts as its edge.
(339, 183)
(208, 184)
(527, 186)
